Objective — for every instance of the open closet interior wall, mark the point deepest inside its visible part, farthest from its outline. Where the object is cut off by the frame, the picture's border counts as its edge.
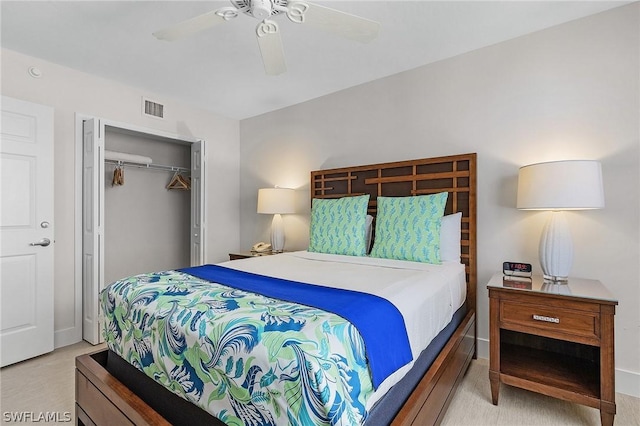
(146, 225)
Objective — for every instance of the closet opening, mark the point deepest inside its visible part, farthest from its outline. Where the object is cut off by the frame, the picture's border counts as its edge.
(142, 207)
(147, 204)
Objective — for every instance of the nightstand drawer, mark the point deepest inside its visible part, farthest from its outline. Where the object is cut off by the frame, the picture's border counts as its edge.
(554, 322)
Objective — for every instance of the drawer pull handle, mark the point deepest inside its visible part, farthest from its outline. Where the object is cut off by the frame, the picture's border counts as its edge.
(546, 319)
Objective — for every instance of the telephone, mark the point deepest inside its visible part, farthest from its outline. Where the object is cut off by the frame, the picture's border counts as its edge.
(261, 247)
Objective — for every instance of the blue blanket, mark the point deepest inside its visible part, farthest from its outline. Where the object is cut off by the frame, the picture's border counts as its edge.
(384, 334)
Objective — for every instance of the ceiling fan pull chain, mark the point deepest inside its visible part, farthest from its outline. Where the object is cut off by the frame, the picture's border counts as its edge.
(296, 12)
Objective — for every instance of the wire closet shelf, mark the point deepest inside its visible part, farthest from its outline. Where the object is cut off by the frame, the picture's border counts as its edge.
(148, 166)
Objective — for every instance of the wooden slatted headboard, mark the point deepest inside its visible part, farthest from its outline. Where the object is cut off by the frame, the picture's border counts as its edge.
(455, 174)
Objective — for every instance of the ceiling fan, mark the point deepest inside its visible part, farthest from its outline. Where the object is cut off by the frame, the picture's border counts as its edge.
(268, 32)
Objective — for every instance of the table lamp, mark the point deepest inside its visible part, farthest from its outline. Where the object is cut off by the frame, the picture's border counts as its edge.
(559, 186)
(276, 201)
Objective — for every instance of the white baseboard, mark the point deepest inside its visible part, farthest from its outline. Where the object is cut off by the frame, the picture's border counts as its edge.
(483, 348)
(627, 382)
(66, 337)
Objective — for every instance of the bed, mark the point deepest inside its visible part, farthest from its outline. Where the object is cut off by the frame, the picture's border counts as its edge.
(412, 392)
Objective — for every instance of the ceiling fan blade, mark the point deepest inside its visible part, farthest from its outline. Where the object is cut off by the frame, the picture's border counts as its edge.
(271, 47)
(340, 23)
(190, 26)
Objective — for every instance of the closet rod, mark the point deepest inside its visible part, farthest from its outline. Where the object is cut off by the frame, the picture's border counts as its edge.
(149, 166)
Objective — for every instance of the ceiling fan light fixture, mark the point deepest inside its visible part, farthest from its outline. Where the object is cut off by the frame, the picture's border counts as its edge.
(261, 9)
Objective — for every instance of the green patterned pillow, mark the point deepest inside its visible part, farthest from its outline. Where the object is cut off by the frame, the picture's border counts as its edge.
(338, 226)
(408, 228)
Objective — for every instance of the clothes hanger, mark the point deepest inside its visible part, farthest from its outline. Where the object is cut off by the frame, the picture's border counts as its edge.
(118, 176)
(179, 182)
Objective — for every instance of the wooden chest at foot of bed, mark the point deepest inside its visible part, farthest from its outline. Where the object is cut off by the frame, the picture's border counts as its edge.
(102, 399)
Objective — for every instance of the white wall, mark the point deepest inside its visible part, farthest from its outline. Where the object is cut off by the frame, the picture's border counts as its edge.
(70, 92)
(569, 92)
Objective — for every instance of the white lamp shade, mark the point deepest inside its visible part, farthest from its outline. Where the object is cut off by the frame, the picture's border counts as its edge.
(276, 201)
(561, 185)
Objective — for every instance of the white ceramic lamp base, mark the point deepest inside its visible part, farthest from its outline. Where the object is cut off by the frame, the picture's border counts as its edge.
(277, 233)
(556, 248)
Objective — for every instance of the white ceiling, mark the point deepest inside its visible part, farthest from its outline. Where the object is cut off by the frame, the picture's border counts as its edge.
(220, 69)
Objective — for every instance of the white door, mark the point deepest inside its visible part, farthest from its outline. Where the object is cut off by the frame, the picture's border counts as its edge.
(26, 230)
(197, 205)
(92, 227)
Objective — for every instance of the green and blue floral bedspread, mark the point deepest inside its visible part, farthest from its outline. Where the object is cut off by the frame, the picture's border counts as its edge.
(243, 357)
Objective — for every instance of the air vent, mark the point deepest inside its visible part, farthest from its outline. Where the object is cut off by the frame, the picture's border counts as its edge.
(152, 108)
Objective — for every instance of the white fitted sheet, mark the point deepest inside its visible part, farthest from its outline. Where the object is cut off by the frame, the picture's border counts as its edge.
(426, 295)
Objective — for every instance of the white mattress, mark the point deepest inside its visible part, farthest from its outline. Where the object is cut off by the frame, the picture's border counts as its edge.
(426, 295)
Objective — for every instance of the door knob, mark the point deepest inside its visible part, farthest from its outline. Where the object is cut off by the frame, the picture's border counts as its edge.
(43, 242)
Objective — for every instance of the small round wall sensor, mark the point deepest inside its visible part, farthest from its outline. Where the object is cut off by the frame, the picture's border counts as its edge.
(35, 72)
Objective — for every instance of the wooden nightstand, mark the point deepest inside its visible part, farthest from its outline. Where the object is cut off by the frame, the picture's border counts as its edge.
(248, 254)
(554, 339)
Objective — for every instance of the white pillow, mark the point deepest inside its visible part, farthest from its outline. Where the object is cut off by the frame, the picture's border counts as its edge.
(450, 236)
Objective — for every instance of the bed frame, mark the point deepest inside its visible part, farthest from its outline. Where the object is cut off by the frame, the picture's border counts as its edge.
(105, 394)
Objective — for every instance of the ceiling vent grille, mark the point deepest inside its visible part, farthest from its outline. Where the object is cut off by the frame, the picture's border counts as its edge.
(152, 108)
